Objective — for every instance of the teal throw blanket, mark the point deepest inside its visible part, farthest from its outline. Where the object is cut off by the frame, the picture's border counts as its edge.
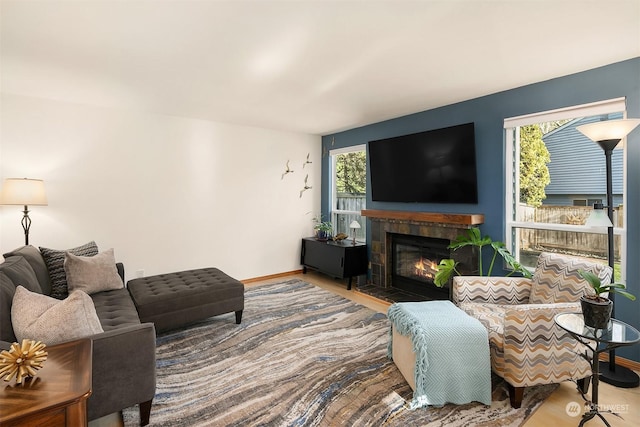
(452, 352)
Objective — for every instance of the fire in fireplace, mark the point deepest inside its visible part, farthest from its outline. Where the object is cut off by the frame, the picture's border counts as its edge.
(414, 264)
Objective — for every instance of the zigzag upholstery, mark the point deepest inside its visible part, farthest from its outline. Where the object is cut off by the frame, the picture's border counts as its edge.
(557, 278)
(527, 348)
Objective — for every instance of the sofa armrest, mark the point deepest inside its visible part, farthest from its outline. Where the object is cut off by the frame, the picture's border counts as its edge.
(124, 369)
(539, 350)
(492, 290)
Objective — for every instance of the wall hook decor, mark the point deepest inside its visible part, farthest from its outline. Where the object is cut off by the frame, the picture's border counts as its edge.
(288, 170)
(306, 187)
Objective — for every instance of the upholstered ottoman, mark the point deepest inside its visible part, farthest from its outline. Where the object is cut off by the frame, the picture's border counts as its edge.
(176, 299)
(441, 351)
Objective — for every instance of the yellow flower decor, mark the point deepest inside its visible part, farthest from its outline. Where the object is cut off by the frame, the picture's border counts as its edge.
(22, 361)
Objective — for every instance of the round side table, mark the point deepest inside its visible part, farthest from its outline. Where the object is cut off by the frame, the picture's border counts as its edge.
(618, 334)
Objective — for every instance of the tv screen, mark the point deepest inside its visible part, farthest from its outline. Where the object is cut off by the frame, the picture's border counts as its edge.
(436, 166)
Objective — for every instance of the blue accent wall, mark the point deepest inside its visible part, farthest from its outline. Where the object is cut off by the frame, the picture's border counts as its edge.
(617, 80)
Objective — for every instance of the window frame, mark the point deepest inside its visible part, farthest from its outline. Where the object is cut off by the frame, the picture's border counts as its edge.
(512, 155)
(333, 192)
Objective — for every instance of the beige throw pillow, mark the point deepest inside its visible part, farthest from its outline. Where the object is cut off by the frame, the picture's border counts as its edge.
(50, 320)
(92, 274)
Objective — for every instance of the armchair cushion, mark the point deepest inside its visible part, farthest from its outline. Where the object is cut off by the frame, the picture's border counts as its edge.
(557, 278)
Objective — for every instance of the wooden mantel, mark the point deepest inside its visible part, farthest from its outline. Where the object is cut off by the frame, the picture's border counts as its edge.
(432, 217)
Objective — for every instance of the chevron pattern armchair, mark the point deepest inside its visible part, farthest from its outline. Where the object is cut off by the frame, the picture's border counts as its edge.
(526, 346)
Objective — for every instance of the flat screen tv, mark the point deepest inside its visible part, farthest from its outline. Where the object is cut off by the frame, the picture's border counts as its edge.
(436, 166)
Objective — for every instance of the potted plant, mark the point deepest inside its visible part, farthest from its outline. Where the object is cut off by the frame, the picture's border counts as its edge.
(323, 228)
(473, 237)
(596, 309)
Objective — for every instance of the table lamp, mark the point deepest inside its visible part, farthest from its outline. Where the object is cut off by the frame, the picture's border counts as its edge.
(354, 226)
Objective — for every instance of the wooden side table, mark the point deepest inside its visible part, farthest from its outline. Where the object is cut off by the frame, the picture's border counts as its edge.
(57, 395)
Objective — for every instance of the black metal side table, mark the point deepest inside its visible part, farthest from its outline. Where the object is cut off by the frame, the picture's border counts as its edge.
(618, 334)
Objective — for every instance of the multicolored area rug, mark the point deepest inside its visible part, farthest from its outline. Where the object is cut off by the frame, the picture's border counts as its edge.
(302, 356)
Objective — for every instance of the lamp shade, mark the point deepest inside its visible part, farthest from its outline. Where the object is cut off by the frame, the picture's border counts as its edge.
(609, 129)
(23, 191)
(354, 224)
(598, 218)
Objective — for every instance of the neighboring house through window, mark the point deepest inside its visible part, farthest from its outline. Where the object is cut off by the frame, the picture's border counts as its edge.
(348, 189)
(554, 176)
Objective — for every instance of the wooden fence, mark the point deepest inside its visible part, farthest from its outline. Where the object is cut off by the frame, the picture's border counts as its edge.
(350, 202)
(566, 241)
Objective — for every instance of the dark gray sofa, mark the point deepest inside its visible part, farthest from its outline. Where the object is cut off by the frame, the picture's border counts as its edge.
(124, 370)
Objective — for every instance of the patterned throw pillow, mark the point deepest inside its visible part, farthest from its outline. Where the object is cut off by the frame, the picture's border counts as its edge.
(42, 318)
(54, 258)
(557, 278)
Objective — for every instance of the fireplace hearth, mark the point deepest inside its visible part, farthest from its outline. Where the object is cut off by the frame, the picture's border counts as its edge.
(422, 239)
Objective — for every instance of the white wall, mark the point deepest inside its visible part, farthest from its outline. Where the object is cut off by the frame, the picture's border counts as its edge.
(167, 193)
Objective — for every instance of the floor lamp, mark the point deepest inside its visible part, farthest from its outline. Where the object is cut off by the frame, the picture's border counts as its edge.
(23, 192)
(607, 134)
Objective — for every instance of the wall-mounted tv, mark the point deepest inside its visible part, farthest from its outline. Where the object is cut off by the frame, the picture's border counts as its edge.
(436, 166)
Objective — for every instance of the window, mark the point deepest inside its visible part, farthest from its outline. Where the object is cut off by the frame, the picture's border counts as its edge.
(348, 189)
(554, 175)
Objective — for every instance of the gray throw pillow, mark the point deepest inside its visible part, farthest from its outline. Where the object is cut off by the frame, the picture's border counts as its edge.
(54, 258)
(42, 318)
(92, 274)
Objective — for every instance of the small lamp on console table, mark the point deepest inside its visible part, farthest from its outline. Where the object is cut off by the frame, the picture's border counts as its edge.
(24, 192)
(607, 134)
(354, 226)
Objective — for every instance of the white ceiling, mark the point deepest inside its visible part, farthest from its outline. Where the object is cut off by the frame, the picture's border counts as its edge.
(306, 66)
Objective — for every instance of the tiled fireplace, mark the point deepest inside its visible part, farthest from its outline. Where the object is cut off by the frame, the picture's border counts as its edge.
(407, 246)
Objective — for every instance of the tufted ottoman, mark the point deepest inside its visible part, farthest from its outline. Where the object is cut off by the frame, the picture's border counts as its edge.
(176, 299)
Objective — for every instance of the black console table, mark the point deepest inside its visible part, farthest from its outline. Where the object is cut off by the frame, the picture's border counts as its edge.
(337, 259)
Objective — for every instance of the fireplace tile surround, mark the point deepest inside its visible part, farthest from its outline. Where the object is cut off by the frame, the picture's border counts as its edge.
(385, 223)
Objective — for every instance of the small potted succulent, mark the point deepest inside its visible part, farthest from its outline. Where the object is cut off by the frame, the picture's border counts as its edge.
(596, 309)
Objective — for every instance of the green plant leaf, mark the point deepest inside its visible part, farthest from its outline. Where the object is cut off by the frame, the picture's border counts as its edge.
(472, 238)
(593, 280)
(619, 288)
(446, 270)
(626, 294)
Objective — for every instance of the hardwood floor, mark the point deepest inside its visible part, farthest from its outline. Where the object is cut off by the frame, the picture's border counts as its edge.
(552, 412)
